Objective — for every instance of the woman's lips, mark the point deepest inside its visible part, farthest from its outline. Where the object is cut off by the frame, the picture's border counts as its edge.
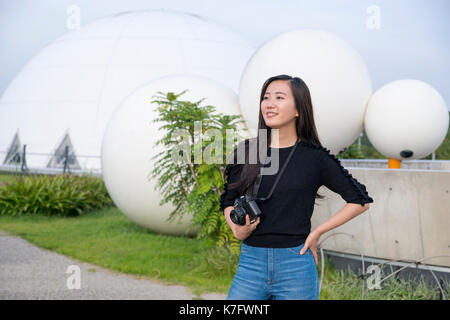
(271, 114)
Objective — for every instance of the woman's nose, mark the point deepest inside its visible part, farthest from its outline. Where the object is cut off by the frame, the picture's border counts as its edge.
(270, 103)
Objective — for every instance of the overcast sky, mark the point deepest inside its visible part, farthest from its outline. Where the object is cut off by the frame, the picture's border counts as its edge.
(410, 40)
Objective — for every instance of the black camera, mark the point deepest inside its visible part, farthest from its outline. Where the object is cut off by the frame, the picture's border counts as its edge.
(242, 206)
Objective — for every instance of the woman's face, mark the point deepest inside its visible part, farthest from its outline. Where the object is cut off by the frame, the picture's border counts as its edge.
(278, 105)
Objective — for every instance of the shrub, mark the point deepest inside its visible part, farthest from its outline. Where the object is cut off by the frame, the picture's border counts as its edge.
(65, 195)
(194, 187)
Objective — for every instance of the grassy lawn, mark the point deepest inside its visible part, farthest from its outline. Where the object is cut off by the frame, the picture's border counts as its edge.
(108, 239)
(4, 177)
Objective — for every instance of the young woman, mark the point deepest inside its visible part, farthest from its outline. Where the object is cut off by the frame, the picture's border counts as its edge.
(278, 256)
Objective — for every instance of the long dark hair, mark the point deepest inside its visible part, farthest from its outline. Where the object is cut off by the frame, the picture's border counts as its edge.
(305, 126)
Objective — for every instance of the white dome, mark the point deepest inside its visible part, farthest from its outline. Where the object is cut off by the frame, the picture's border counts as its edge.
(335, 73)
(406, 119)
(74, 84)
(129, 145)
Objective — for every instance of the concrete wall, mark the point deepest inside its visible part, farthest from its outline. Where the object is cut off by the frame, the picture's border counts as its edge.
(408, 220)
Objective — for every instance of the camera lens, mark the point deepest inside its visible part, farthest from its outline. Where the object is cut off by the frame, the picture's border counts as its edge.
(237, 217)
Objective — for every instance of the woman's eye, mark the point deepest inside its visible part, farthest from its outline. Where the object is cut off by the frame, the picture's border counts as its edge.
(277, 98)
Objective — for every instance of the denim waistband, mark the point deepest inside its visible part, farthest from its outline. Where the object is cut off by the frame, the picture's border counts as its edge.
(274, 240)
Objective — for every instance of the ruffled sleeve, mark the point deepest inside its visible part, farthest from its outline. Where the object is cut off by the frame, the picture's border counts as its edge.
(232, 174)
(336, 178)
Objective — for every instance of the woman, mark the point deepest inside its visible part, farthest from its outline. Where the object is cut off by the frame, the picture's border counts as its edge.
(278, 256)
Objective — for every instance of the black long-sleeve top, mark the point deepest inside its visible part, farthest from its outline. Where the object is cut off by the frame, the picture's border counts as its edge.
(286, 216)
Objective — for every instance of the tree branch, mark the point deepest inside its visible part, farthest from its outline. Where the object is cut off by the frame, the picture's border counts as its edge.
(192, 170)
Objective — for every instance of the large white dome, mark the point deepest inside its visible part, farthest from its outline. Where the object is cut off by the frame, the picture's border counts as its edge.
(66, 94)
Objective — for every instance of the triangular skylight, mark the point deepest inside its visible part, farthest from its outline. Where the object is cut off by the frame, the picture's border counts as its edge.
(14, 151)
(59, 156)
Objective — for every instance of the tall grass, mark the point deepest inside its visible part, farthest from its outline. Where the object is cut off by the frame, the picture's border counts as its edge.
(346, 285)
(65, 195)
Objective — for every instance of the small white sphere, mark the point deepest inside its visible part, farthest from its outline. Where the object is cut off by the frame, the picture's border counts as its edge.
(335, 73)
(406, 119)
(129, 144)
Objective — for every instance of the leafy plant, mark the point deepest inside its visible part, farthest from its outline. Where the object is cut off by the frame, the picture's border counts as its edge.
(194, 187)
(67, 195)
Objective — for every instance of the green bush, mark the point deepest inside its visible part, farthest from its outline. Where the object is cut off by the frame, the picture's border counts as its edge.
(190, 184)
(65, 195)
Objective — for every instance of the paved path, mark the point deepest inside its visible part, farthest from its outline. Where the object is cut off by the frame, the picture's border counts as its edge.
(30, 272)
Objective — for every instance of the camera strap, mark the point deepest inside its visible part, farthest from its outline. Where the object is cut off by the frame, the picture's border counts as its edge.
(259, 177)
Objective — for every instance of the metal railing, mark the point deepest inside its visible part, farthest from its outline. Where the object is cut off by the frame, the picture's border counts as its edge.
(20, 164)
(364, 276)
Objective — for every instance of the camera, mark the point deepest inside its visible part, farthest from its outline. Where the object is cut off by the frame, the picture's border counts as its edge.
(242, 206)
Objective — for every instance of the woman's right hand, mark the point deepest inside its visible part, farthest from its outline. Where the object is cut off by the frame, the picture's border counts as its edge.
(244, 231)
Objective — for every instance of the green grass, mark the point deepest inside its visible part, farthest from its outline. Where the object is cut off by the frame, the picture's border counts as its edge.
(345, 285)
(106, 238)
(6, 177)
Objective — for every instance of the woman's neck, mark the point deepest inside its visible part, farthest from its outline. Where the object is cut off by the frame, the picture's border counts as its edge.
(285, 138)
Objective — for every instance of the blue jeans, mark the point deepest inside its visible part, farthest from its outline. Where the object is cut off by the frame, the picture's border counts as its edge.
(275, 274)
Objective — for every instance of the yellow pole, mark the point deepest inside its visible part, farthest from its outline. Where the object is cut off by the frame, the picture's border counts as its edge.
(394, 163)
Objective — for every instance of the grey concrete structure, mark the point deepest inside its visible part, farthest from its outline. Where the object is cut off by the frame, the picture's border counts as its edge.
(408, 221)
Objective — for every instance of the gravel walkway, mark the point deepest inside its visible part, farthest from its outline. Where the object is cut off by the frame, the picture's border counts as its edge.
(29, 272)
